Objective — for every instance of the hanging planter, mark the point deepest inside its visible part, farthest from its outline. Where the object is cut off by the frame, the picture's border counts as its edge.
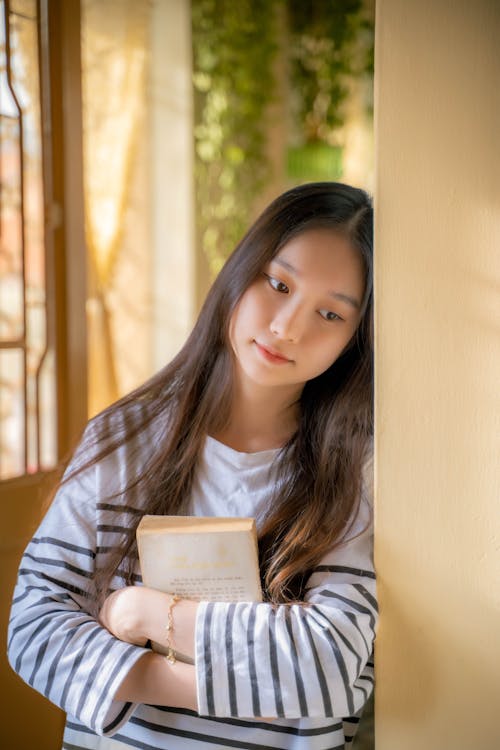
(314, 161)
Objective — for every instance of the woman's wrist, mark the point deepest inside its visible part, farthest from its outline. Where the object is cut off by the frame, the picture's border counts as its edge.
(171, 623)
(138, 614)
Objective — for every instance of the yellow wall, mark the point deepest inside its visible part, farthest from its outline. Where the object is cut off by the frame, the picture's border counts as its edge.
(437, 387)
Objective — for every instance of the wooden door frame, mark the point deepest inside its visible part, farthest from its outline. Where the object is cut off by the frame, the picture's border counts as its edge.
(64, 209)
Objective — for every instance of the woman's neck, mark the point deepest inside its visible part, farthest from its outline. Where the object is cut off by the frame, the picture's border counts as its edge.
(260, 419)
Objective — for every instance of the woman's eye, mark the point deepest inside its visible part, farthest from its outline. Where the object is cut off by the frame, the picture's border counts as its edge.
(276, 284)
(329, 315)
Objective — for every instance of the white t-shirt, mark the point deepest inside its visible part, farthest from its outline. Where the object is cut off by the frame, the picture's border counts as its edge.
(231, 483)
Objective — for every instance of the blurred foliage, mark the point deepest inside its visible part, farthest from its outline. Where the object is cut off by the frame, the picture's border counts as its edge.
(234, 47)
(325, 52)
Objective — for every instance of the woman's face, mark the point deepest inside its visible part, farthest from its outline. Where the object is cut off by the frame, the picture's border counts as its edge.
(297, 317)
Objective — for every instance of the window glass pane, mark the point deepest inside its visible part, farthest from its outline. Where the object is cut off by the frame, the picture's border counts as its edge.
(26, 365)
(11, 413)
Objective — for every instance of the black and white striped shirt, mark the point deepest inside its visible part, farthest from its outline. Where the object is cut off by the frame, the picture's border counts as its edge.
(308, 669)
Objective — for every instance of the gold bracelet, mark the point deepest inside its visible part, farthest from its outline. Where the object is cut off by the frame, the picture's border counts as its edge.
(170, 655)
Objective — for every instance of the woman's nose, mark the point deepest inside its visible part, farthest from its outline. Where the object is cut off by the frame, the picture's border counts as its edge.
(287, 323)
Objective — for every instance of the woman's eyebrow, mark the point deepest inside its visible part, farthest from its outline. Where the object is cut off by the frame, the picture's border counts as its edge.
(346, 298)
(285, 264)
(336, 295)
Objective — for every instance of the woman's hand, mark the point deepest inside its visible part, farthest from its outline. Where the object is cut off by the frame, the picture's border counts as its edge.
(121, 614)
(137, 614)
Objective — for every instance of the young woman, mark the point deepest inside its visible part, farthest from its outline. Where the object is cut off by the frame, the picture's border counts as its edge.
(265, 412)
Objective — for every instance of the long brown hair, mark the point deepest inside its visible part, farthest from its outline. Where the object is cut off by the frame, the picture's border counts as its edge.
(319, 469)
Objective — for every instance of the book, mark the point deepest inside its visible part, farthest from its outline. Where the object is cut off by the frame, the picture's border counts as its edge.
(202, 558)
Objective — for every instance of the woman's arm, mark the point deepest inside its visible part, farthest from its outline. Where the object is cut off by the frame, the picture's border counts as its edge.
(136, 614)
(55, 644)
(290, 661)
(154, 680)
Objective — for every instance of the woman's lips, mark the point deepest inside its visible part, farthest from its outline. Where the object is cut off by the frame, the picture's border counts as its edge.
(271, 355)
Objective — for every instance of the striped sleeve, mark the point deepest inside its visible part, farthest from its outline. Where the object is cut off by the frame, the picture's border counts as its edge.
(292, 661)
(54, 644)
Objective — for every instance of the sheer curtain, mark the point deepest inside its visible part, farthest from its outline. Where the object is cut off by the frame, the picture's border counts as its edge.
(115, 66)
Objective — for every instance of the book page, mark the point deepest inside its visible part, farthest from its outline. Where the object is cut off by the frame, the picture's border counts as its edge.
(212, 565)
(230, 588)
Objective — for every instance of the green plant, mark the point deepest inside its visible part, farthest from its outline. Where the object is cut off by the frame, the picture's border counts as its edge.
(325, 52)
(233, 48)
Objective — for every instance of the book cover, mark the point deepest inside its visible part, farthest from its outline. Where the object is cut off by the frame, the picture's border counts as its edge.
(209, 558)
